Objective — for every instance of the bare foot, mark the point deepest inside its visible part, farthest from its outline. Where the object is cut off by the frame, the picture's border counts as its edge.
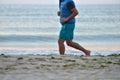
(88, 53)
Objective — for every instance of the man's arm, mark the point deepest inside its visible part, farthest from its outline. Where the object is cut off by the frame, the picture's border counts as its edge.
(74, 13)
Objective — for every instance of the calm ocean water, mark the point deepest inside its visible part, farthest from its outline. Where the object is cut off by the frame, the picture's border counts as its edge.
(38, 25)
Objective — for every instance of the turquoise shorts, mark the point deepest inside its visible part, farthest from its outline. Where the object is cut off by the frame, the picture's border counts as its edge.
(67, 32)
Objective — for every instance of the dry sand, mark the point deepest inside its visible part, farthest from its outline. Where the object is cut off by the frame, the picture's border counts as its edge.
(57, 67)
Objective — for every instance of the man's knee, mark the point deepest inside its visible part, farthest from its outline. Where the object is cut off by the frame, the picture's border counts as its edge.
(60, 41)
(69, 43)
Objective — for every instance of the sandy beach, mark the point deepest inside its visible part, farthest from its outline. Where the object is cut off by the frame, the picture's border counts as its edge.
(29, 41)
(59, 67)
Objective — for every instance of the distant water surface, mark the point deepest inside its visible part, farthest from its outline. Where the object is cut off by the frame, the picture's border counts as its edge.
(38, 25)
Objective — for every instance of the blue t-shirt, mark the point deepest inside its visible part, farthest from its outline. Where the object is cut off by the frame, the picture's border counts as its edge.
(70, 5)
(65, 9)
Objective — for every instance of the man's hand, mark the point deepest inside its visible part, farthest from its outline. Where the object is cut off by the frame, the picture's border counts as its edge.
(64, 20)
(58, 13)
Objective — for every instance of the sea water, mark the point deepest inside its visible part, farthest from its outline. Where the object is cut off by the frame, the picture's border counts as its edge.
(38, 25)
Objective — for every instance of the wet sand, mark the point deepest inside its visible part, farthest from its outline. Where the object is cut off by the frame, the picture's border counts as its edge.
(90, 47)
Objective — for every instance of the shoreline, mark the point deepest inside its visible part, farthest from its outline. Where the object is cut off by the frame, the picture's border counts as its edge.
(90, 47)
(47, 50)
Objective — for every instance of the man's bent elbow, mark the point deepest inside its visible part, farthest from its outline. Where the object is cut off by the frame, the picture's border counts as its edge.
(77, 12)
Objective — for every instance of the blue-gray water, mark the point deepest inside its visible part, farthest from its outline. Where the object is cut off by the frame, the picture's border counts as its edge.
(38, 25)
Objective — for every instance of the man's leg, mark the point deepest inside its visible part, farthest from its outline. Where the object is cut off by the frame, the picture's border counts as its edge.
(77, 46)
(61, 46)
